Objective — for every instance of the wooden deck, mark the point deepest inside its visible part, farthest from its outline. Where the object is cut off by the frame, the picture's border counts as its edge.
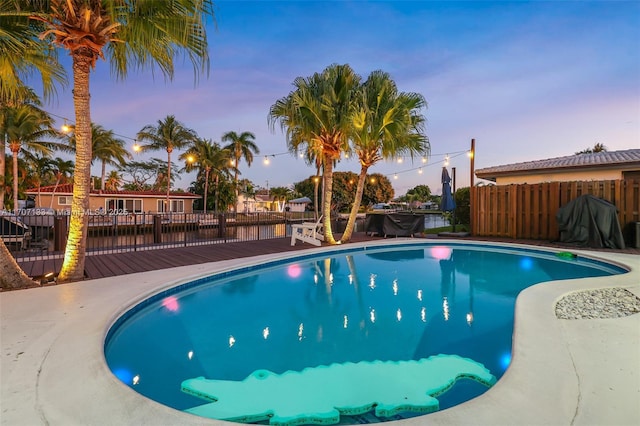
(110, 265)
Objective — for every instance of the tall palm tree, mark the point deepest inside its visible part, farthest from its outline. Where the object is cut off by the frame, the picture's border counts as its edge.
(387, 124)
(241, 146)
(27, 98)
(317, 114)
(22, 54)
(167, 134)
(131, 34)
(106, 148)
(207, 157)
(25, 127)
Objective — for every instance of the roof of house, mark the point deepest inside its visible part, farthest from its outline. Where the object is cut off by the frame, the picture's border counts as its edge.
(629, 158)
(303, 200)
(67, 189)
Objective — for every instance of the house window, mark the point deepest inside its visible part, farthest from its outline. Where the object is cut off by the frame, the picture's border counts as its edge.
(121, 205)
(64, 200)
(177, 206)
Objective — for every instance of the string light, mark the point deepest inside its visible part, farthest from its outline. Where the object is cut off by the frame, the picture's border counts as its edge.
(66, 127)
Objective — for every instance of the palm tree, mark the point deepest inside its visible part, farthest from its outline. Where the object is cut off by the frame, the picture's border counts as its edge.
(27, 98)
(131, 34)
(167, 134)
(24, 127)
(23, 54)
(386, 124)
(106, 148)
(62, 169)
(41, 171)
(280, 194)
(317, 115)
(207, 157)
(241, 146)
(114, 181)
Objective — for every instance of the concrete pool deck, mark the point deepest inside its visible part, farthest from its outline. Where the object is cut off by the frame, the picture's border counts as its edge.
(53, 372)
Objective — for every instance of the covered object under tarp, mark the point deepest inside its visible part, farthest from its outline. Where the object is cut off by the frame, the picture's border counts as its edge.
(590, 222)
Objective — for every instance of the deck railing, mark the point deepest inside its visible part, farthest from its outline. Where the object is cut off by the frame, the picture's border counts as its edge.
(34, 234)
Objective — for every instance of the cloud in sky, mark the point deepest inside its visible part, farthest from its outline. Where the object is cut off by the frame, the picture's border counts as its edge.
(528, 80)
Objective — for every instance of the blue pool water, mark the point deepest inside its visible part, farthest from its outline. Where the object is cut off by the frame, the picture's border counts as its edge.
(387, 304)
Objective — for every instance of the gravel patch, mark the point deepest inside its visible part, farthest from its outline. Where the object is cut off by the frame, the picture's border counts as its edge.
(600, 303)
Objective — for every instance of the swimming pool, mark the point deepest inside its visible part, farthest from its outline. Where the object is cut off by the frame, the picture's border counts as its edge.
(387, 305)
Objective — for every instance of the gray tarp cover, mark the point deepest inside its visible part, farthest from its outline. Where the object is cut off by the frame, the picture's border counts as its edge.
(591, 222)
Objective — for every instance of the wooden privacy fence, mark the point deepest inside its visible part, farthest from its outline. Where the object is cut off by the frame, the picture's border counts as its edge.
(529, 211)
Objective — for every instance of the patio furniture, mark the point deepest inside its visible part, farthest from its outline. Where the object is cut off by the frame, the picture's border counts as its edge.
(308, 232)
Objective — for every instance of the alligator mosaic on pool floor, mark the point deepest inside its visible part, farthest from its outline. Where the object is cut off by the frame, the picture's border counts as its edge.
(599, 303)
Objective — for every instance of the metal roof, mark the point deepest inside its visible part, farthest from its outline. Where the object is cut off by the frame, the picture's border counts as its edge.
(607, 159)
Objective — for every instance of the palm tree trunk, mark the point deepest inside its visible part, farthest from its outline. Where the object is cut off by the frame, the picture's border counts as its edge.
(11, 275)
(2, 171)
(14, 158)
(104, 175)
(168, 179)
(327, 195)
(206, 188)
(215, 200)
(55, 187)
(74, 256)
(356, 205)
(235, 179)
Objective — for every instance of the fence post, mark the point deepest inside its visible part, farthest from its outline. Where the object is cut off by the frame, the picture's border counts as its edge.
(135, 231)
(59, 233)
(185, 229)
(222, 226)
(157, 229)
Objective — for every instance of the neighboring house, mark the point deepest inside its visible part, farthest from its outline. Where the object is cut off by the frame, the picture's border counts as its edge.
(257, 203)
(611, 165)
(114, 201)
(298, 204)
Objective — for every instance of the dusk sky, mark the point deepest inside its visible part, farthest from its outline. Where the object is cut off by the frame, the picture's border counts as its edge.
(527, 80)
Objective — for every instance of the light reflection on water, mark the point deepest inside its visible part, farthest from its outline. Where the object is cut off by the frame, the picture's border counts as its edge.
(374, 305)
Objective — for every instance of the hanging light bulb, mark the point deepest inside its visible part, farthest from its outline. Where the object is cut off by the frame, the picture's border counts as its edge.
(424, 160)
(395, 176)
(446, 160)
(136, 147)
(232, 162)
(65, 127)
(420, 171)
(266, 160)
(400, 160)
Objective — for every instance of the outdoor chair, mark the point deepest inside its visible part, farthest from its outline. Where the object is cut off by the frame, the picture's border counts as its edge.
(308, 232)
